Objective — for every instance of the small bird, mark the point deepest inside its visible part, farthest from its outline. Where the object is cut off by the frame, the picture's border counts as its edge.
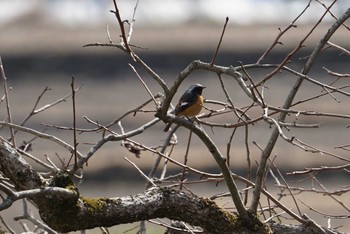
(190, 103)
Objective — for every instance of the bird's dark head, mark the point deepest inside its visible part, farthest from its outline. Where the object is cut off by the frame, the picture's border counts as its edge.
(196, 89)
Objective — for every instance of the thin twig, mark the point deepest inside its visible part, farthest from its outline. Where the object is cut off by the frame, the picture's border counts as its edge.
(281, 33)
(7, 226)
(42, 135)
(75, 144)
(171, 139)
(343, 50)
(286, 184)
(229, 99)
(131, 24)
(35, 159)
(144, 84)
(149, 70)
(185, 160)
(7, 99)
(331, 195)
(336, 74)
(249, 164)
(113, 137)
(122, 28)
(221, 37)
(297, 48)
(325, 7)
(141, 172)
(319, 169)
(35, 111)
(108, 34)
(254, 87)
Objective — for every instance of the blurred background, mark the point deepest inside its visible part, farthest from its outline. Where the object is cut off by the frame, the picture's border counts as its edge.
(41, 45)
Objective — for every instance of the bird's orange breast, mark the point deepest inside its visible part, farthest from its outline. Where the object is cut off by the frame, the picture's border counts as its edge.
(194, 109)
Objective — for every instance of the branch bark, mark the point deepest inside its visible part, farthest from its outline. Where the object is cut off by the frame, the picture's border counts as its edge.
(65, 210)
(62, 207)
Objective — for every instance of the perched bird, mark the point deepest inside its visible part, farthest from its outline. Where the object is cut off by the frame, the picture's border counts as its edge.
(190, 103)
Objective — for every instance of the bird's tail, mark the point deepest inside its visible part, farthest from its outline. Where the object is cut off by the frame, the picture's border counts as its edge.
(167, 127)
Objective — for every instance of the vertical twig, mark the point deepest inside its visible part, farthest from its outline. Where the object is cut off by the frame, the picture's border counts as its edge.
(108, 34)
(186, 159)
(248, 162)
(131, 24)
(74, 129)
(7, 101)
(74, 125)
(121, 26)
(217, 48)
(165, 165)
(254, 87)
(229, 100)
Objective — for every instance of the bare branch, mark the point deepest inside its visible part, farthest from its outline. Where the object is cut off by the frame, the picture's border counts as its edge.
(141, 172)
(149, 70)
(336, 74)
(122, 28)
(32, 193)
(319, 169)
(43, 136)
(281, 33)
(299, 46)
(144, 84)
(113, 137)
(9, 116)
(75, 144)
(36, 110)
(221, 37)
(274, 136)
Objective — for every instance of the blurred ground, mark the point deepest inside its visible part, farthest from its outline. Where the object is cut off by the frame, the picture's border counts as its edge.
(36, 54)
(26, 39)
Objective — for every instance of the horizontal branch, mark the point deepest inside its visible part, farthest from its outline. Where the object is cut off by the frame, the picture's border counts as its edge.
(320, 169)
(63, 209)
(199, 65)
(32, 193)
(113, 137)
(153, 203)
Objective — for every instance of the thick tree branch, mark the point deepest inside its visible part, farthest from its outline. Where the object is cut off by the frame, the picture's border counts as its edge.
(153, 203)
(63, 209)
(66, 211)
(20, 173)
